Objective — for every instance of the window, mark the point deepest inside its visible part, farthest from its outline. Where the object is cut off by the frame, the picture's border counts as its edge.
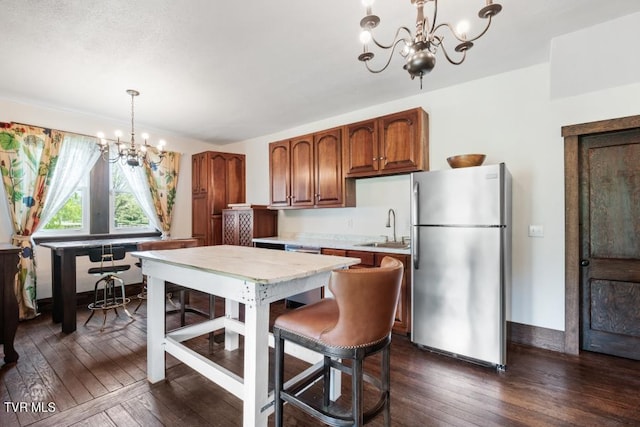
(73, 216)
(126, 213)
(104, 190)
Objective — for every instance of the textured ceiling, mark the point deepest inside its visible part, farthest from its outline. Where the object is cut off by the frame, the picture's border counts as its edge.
(224, 71)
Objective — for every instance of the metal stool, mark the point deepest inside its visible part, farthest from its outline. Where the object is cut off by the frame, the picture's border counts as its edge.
(105, 296)
(353, 325)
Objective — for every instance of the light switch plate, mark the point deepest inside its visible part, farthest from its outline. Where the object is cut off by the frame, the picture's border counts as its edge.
(536, 230)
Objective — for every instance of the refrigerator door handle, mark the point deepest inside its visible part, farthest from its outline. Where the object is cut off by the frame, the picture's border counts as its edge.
(415, 239)
(415, 244)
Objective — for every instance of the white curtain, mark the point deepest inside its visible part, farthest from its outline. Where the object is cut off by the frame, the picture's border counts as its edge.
(78, 154)
(137, 180)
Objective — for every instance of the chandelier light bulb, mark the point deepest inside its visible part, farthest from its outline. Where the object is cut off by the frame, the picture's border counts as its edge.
(367, 3)
(118, 133)
(365, 36)
(145, 136)
(143, 148)
(462, 28)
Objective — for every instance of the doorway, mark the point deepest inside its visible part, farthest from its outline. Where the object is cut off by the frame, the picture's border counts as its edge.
(602, 244)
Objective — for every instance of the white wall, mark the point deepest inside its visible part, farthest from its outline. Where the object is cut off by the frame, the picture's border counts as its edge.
(511, 117)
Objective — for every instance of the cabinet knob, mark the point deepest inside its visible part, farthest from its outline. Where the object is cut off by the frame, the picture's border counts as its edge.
(584, 262)
(375, 158)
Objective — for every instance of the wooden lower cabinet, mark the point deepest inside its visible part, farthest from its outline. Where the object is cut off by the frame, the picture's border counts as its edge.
(240, 226)
(402, 324)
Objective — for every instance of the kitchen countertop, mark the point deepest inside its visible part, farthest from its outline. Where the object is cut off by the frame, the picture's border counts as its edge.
(332, 242)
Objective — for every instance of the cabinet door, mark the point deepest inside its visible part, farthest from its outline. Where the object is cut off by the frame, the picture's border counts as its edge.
(229, 227)
(361, 149)
(198, 173)
(402, 323)
(401, 144)
(302, 177)
(200, 218)
(279, 173)
(328, 168)
(245, 227)
(235, 179)
(218, 182)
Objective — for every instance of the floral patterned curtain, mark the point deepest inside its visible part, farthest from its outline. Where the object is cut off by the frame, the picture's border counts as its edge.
(28, 157)
(163, 180)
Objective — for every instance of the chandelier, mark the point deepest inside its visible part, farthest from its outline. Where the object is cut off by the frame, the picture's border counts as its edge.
(128, 152)
(420, 49)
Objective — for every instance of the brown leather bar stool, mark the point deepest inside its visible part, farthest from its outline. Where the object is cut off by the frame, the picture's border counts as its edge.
(354, 324)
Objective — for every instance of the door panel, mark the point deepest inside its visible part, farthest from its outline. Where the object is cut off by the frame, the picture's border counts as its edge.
(328, 170)
(279, 164)
(465, 196)
(610, 247)
(457, 292)
(302, 184)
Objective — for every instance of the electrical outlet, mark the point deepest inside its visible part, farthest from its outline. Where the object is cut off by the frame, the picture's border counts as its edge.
(536, 231)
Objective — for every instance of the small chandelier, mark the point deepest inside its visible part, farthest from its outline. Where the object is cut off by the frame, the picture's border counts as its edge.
(420, 50)
(130, 153)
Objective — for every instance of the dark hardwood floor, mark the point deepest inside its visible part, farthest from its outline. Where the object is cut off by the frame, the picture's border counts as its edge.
(98, 378)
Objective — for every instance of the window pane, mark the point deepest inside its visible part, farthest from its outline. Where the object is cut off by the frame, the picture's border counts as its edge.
(69, 217)
(127, 213)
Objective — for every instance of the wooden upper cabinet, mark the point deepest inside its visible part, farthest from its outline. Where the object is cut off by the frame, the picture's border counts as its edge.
(217, 180)
(236, 186)
(396, 143)
(302, 167)
(279, 173)
(328, 177)
(199, 183)
(361, 148)
(307, 172)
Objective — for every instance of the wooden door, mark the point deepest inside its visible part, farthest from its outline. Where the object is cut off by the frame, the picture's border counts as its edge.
(361, 149)
(279, 173)
(400, 142)
(302, 179)
(328, 168)
(610, 243)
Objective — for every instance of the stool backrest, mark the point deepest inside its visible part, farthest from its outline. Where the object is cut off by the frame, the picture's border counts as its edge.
(156, 245)
(106, 253)
(367, 300)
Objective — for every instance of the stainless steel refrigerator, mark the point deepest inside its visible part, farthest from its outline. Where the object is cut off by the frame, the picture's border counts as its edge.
(461, 256)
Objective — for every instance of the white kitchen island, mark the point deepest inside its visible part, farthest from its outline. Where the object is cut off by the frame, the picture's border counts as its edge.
(251, 276)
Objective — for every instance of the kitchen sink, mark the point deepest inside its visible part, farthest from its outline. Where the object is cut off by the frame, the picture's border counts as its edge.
(391, 245)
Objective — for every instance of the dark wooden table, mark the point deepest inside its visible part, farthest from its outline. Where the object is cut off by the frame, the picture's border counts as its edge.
(63, 272)
(8, 303)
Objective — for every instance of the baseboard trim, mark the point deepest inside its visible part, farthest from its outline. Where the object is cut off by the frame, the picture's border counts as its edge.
(535, 336)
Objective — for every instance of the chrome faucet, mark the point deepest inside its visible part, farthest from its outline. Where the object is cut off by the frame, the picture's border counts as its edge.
(391, 211)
